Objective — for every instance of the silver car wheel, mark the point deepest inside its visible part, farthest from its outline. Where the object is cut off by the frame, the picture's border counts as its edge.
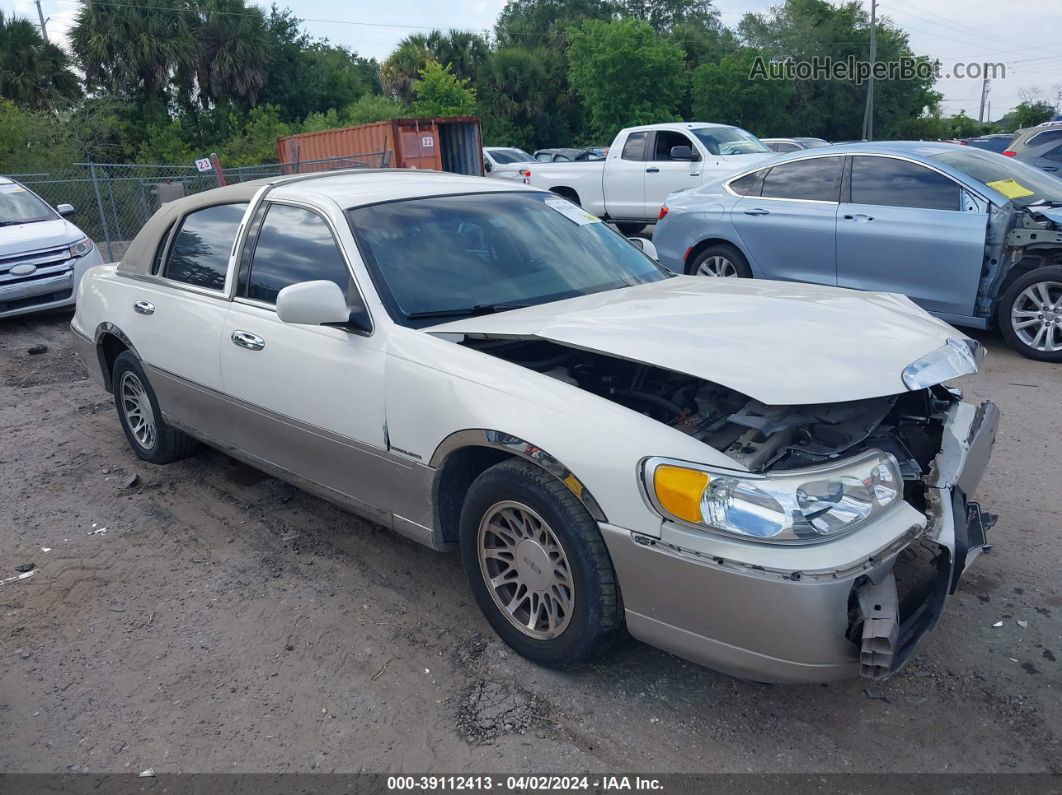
(526, 570)
(1036, 316)
(717, 266)
(136, 405)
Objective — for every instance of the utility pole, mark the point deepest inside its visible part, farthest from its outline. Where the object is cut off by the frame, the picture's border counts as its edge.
(868, 113)
(984, 98)
(40, 15)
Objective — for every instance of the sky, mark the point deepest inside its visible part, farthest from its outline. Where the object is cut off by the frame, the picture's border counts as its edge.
(1023, 35)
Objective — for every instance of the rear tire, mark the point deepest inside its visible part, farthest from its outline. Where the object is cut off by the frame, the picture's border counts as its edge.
(1030, 314)
(138, 411)
(630, 229)
(538, 567)
(720, 260)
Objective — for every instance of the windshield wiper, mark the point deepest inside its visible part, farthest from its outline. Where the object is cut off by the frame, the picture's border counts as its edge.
(468, 311)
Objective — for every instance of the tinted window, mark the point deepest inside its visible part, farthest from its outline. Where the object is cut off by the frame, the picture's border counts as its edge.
(200, 252)
(1045, 138)
(748, 185)
(504, 157)
(634, 147)
(818, 179)
(665, 140)
(897, 183)
(779, 146)
(295, 245)
(729, 141)
(987, 168)
(1053, 154)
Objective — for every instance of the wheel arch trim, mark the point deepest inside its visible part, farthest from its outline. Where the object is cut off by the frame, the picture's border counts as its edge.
(514, 445)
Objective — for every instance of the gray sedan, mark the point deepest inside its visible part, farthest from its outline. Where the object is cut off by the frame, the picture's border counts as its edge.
(973, 237)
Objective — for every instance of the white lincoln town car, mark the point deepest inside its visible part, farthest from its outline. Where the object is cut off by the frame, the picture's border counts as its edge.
(770, 479)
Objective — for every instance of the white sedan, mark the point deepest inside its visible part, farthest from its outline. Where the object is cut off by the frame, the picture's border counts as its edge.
(769, 479)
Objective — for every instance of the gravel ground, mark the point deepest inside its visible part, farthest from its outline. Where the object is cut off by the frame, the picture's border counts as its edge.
(205, 617)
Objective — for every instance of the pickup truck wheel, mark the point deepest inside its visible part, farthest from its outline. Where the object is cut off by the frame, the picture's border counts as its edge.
(538, 567)
(1030, 315)
(138, 411)
(630, 229)
(720, 260)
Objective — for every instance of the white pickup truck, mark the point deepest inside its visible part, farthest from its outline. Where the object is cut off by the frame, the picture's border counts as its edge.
(645, 164)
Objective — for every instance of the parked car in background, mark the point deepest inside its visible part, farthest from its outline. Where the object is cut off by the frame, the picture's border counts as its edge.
(1039, 146)
(996, 142)
(43, 255)
(972, 237)
(645, 164)
(505, 162)
(793, 144)
(767, 479)
(568, 155)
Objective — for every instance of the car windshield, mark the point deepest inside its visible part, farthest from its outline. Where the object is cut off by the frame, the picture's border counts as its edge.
(437, 258)
(506, 156)
(729, 141)
(20, 206)
(1030, 184)
(812, 143)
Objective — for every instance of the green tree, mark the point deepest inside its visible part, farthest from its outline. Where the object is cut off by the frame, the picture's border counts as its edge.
(402, 67)
(724, 93)
(33, 73)
(439, 92)
(1030, 113)
(33, 141)
(531, 23)
(626, 74)
(665, 15)
(131, 50)
(232, 57)
(374, 107)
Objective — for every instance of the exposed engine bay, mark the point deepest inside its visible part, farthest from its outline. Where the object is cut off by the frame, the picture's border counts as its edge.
(761, 437)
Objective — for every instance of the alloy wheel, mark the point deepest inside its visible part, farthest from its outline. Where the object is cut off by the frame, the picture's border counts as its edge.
(136, 405)
(718, 266)
(526, 570)
(1036, 316)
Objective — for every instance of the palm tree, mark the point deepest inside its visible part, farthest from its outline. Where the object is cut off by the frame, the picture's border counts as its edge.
(34, 74)
(232, 62)
(465, 52)
(403, 66)
(133, 50)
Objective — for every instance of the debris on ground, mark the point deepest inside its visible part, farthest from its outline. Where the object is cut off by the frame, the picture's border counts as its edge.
(383, 668)
(875, 695)
(46, 549)
(998, 624)
(25, 567)
(97, 530)
(131, 481)
(149, 773)
(17, 577)
(1022, 624)
(35, 350)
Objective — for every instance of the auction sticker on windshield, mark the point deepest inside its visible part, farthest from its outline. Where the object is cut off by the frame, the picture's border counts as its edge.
(1010, 188)
(572, 212)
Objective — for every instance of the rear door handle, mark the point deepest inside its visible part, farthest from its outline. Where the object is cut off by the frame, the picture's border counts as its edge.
(1049, 168)
(653, 170)
(144, 308)
(859, 217)
(246, 339)
(757, 211)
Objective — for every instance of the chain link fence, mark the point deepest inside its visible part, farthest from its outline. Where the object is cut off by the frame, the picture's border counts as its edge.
(113, 200)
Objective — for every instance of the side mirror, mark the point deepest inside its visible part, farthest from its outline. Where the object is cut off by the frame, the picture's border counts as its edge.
(646, 246)
(320, 303)
(684, 153)
(65, 210)
(487, 166)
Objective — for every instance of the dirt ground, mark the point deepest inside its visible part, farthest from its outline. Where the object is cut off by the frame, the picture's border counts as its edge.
(209, 618)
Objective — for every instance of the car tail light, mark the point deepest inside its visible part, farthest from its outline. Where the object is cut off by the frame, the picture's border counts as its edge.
(663, 212)
(1010, 153)
(526, 174)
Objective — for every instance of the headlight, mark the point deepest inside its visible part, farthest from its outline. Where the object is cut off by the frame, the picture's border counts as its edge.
(81, 248)
(796, 507)
(958, 357)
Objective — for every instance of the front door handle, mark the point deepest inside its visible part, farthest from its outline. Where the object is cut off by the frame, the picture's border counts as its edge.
(757, 211)
(652, 170)
(246, 339)
(144, 308)
(861, 217)
(1049, 168)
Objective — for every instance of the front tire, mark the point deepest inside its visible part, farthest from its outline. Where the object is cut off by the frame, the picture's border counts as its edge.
(138, 411)
(720, 260)
(1030, 315)
(538, 567)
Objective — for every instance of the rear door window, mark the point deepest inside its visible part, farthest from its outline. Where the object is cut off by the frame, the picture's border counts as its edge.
(900, 183)
(634, 147)
(817, 179)
(748, 185)
(199, 255)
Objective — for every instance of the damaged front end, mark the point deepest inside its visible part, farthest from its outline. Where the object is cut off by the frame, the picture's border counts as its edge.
(939, 445)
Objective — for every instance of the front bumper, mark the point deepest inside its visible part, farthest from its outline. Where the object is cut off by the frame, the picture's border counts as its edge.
(49, 292)
(830, 616)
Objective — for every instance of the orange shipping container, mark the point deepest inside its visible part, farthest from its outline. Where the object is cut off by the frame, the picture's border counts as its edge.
(447, 144)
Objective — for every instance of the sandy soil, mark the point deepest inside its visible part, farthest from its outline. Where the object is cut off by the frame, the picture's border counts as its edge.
(226, 621)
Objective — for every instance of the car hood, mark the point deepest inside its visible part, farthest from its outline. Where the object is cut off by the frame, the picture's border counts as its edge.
(22, 238)
(780, 343)
(1052, 214)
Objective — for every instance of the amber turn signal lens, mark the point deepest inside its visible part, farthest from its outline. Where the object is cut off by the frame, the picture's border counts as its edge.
(679, 491)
